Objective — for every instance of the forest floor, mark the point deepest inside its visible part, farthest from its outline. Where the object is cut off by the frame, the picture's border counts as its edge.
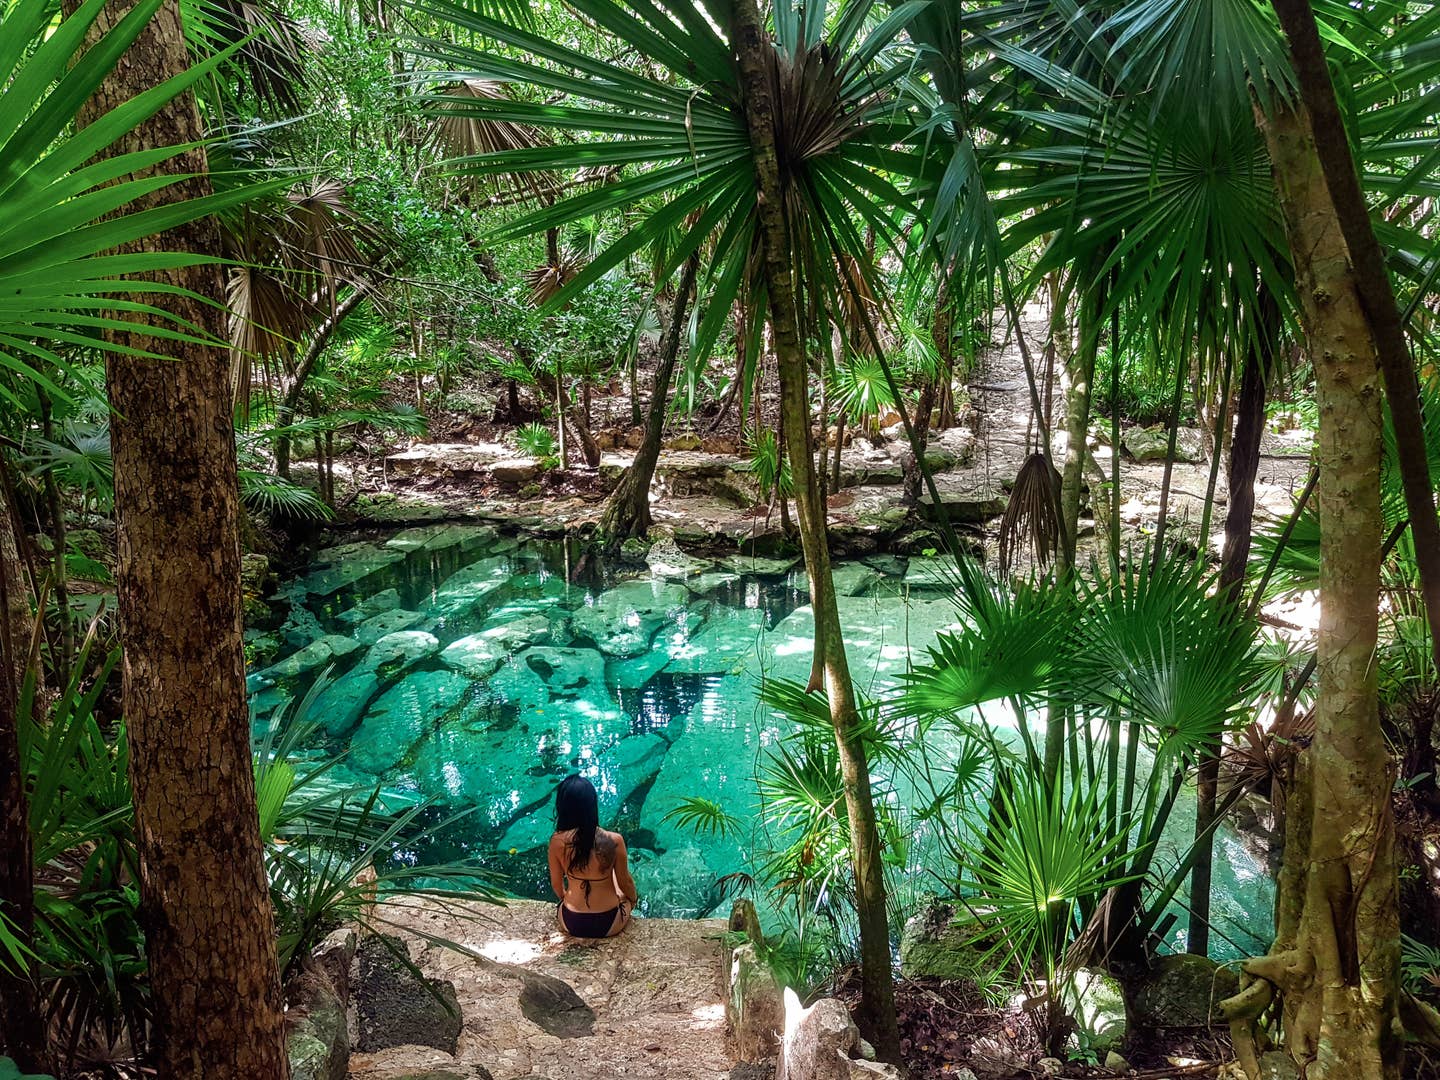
(704, 492)
(647, 1005)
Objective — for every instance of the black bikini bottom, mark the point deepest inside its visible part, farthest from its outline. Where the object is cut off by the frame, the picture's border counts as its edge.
(588, 924)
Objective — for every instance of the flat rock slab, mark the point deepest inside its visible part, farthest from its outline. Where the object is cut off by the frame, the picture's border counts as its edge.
(648, 1005)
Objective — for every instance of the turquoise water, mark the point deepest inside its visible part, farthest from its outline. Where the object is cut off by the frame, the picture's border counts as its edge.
(477, 672)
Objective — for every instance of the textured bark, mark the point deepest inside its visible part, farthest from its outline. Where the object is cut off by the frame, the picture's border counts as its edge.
(1374, 295)
(627, 513)
(210, 937)
(877, 1006)
(22, 1034)
(1335, 963)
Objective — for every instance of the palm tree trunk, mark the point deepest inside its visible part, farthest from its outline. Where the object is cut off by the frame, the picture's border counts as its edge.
(210, 934)
(1334, 964)
(22, 1029)
(877, 1006)
(628, 511)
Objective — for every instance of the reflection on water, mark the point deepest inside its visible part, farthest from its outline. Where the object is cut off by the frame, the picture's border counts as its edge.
(473, 671)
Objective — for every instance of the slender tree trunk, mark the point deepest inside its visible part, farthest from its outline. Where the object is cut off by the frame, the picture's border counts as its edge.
(1335, 962)
(877, 1006)
(205, 904)
(628, 511)
(1081, 369)
(295, 385)
(1239, 519)
(22, 1031)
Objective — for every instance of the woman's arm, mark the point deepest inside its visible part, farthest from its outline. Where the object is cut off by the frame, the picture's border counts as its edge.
(623, 881)
(555, 857)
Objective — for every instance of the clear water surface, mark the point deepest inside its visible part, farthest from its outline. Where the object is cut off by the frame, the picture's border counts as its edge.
(468, 668)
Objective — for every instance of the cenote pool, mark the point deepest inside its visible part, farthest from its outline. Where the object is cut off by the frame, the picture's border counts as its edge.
(476, 671)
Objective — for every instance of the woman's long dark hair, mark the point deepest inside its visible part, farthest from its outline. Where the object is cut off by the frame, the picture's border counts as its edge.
(578, 807)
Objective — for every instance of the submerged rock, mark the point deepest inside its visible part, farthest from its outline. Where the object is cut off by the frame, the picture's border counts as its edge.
(385, 600)
(623, 621)
(475, 655)
(402, 716)
(462, 591)
(315, 655)
(400, 651)
(442, 538)
(387, 622)
(540, 675)
(341, 704)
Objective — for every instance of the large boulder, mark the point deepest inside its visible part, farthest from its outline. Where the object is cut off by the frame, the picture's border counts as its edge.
(318, 1043)
(1182, 991)
(395, 1006)
(1095, 1001)
(386, 623)
(962, 508)
(754, 1008)
(935, 945)
(1152, 444)
(821, 1043)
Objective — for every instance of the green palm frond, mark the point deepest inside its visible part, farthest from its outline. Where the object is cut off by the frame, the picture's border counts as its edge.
(65, 202)
(861, 388)
(271, 494)
(679, 145)
(1047, 853)
(702, 816)
(1013, 642)
(1158, 647)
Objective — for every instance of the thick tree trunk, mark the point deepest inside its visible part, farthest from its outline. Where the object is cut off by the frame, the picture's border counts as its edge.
(627, 513)
(1335, 961)
(1374, 294)
(210, 935)
(877, 1005)
(22, 1032)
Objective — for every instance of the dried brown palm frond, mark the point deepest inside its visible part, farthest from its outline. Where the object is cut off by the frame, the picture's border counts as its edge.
(292, 256)
(545, 281)
(464, 132)
(1262, 758)
(1030, 520)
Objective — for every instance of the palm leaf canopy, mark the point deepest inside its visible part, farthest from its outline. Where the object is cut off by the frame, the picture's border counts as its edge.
(679, 137)
(61, 284)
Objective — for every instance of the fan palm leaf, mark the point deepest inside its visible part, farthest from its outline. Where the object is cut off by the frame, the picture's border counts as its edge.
(65, 202)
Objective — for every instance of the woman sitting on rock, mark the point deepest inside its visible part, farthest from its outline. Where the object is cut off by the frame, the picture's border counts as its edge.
(589, 869)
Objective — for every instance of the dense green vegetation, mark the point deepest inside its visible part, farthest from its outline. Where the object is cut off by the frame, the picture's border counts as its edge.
(278, 240)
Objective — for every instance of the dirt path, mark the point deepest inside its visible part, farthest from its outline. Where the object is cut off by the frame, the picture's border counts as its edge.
(650, 1003)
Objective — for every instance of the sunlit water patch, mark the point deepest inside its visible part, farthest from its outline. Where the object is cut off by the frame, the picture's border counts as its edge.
(474, 672)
